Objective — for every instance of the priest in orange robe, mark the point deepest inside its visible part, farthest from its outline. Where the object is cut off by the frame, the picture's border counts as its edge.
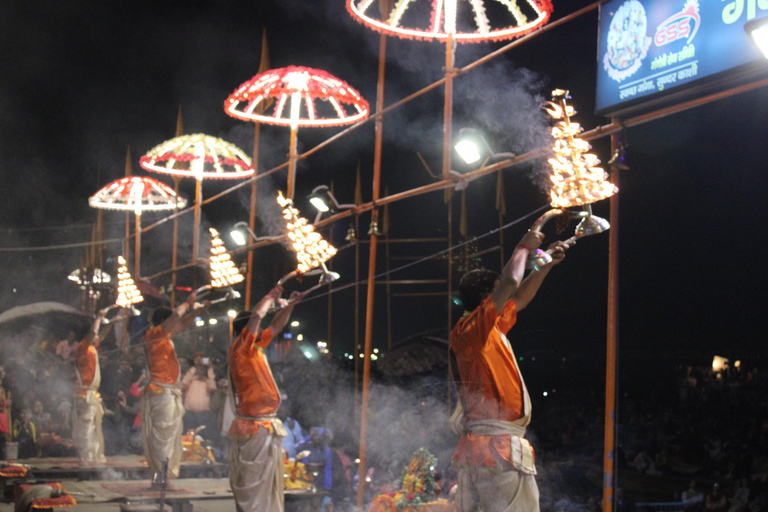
(87, 410)
(495, 463)
(162, 411)
(256, 466)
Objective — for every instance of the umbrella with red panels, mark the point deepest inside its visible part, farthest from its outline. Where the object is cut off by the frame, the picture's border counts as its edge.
(303, 97)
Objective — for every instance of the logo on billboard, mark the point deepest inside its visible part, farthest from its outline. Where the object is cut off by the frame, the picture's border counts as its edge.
(628, 42)
(679, 26)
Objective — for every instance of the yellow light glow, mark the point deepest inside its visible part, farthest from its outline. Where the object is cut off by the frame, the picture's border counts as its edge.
(576, 179)
(127, 292)
(198, 156)
(223, 269)
(311, 249)
(441, 20)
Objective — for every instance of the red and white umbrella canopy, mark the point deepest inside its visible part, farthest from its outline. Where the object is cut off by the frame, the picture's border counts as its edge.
(198, 156)
(436, 19)
(137, 194)
(303, 97)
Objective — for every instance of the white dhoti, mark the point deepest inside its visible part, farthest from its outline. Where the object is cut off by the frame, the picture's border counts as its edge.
(161, 428)
(256, 472)
(87, 414)
(508, 491)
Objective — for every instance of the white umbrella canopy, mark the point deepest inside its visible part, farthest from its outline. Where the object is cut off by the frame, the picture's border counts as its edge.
(53, 316)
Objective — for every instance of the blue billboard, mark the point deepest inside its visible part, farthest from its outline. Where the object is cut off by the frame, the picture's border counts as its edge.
(649, 48)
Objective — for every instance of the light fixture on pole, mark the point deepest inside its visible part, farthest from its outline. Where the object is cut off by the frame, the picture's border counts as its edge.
(240, 239)
(758, 32)
(323, 199)
(472, 146)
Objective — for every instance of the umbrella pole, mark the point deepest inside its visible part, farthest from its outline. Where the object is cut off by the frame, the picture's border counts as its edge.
(292, 164)
(252, 219)
(137, 248)
(126, 245)
(174, 250)
(198, 205)
(448, 109)
(374, 233)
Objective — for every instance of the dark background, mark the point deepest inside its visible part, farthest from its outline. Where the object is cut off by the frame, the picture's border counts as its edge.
(82, 81)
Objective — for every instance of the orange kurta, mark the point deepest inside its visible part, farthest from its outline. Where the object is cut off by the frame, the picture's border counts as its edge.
(161, 358)
(252, 382)
(490, 386)
(86, 360)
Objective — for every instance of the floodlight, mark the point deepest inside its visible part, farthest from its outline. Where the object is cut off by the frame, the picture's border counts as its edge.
(758, 32)
(472, 147)
(240, 239)
(322, 199)
(468, 151)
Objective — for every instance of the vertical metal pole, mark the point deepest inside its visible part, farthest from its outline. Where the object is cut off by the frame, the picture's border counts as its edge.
(356, 351)
(137, 248)
(291, 164)
(198, 207)
(126, 244)
(371, 275)
(252, 219)
(611, 360)
(329, 332)
(448, 107)
(449, 313)
(174, 250)
(389, 294)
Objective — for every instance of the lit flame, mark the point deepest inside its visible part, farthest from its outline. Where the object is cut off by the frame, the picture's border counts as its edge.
(311, 249)
(127, 292)
(576, 179)
(223, 270)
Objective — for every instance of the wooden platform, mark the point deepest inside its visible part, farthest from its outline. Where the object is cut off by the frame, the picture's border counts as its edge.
(116, 467)
(179, 494)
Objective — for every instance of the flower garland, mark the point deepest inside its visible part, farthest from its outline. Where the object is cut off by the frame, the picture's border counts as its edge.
(418, 485)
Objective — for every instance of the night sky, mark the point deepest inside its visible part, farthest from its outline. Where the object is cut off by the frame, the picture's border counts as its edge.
(82, 81)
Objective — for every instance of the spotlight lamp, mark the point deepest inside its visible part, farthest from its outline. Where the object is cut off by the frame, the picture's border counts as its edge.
(471, 146)
(758, 32)
(240, 239)
(324, 201)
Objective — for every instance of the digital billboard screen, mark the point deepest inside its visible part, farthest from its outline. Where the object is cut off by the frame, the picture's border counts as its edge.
(650, 48)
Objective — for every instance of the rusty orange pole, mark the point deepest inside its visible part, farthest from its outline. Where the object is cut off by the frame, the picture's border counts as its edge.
(252, 219)
(374, 233)
(609, 451)
(357, 316)
(174, 250)
(198, 207)
(292, 164)
(448, 108)
(137, 247)
(127, 243)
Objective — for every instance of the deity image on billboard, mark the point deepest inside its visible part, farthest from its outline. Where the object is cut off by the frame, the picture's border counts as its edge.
(627, 41)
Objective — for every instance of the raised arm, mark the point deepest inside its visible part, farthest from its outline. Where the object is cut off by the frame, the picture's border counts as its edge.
(182, 316)
(530, 285)
(282, 316)
(93, 333)
(512, 274)
(190, 315)
(261, 308)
